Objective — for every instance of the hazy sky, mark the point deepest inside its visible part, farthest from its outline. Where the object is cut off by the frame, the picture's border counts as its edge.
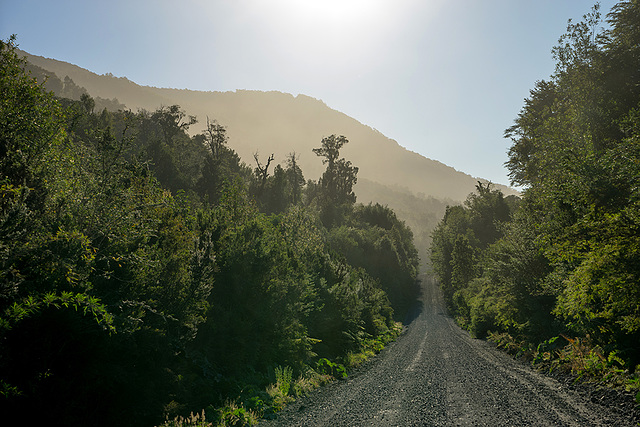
(444, 78)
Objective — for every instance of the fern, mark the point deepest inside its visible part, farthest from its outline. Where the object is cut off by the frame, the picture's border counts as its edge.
(30, 306)
(283, 379)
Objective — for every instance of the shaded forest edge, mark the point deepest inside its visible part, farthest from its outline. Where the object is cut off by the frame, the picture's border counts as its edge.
(146, 273)
(555, 276)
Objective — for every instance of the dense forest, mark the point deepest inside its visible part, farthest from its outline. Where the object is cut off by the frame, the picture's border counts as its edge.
(278, 123)
(556, 274)
(146, 272)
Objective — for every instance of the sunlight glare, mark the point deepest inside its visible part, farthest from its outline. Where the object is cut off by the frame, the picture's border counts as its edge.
(315, 33)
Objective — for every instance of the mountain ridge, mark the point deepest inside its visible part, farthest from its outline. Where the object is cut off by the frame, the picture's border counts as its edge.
(274, 122)
(417, 188)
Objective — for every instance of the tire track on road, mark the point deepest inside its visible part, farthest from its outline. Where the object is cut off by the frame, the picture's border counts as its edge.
(435, 374)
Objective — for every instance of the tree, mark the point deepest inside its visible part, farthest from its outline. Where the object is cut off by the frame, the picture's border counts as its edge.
(258, 186)
(460, 239)
(30, 123)
(172, 121)
(488, 210)
(373, 238)
(454, 223)
(573, 251)
(295, 179)
(215, 136)
(335, 196)
(222, 166)
(340, 176)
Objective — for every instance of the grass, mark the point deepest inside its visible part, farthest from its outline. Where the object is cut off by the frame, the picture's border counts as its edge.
(578, 357)
(193, 420)
(369, 347)
(250, 407)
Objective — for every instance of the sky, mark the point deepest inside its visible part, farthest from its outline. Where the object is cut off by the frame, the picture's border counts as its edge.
(444, 78)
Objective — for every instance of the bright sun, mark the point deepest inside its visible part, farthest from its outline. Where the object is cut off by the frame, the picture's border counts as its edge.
(336, 12)
(317, 29)
(349, 37)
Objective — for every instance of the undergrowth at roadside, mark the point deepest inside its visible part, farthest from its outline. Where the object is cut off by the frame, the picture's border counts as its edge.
(369, 347)
(252, 405)
(576, 356)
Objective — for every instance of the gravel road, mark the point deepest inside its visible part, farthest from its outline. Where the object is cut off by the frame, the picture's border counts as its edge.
(435, 374)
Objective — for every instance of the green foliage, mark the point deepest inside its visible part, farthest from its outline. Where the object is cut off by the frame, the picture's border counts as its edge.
(146, 273)
(193, 420)
(327, 367)
(567, 261)
(337, 181)
(585, 196)
(233, 415)
(261, 300)
(283, 378)
(222, 168)
(30, 124)
(459, 241)
(31, 305)
(373, 238)
(275, 193)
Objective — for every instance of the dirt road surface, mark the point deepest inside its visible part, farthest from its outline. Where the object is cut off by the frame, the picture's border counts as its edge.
(435, 374)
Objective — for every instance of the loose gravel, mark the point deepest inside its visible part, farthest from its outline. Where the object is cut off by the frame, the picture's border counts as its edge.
(435, 374)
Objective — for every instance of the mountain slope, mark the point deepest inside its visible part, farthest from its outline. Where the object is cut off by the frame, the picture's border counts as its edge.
(280, 123)
(418, 189)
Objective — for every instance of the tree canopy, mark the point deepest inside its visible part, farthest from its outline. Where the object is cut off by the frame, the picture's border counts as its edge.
(566, 262)
(147, 273)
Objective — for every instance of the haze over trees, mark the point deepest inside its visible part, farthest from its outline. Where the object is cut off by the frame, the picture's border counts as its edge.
(278, 123)
(566, 258)
(153, 263)
(273, 123)
(145, 270)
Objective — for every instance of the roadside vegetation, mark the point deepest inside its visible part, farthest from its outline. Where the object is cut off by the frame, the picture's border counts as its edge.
(147, 274)
(555, 275)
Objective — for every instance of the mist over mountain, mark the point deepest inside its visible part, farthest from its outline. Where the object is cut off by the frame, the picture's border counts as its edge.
(280, 123)
(416, 187)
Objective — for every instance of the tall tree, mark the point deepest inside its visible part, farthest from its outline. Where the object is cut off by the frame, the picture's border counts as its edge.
(572, 251)
(222, 165)
(295, 179)
(30, 123)
(215, 136)
(459, 239)
(340, 176)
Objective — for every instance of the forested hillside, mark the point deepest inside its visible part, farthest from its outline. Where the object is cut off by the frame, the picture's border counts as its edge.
(557, 274)
(280, 123)
(146, 271)
(418, 189)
